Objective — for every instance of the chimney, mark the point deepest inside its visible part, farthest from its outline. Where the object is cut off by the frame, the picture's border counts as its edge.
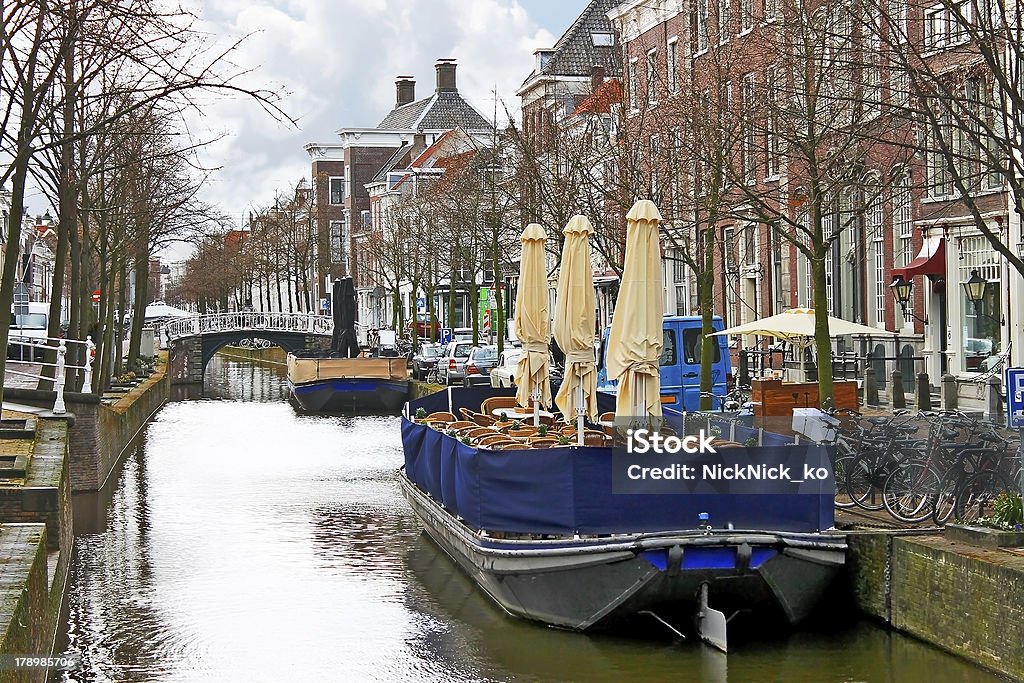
(446, 75)
(405, 90)
(596, 76)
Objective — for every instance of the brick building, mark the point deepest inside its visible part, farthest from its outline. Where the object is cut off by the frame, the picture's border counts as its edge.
(342, 169)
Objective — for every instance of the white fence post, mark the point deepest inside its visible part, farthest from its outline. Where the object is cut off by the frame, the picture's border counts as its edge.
(89, 349)
(58, 405)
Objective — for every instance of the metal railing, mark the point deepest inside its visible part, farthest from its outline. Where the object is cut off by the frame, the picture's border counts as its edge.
(60, 367)
(247, 320)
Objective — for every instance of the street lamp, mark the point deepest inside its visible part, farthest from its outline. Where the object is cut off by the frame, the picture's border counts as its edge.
(974, 290)
(901, 291)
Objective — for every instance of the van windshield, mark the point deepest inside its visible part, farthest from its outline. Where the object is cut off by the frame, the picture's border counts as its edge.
(29, 321)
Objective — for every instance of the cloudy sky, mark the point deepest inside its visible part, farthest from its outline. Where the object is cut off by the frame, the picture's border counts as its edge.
(338, 59)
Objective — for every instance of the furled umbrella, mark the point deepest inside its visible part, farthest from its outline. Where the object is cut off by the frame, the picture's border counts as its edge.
(343, 309)
(635, 340)
(532, 322)
(574, 325)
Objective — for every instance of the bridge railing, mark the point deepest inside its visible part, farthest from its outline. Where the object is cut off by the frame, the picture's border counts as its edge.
(249, 320)
(37, 345)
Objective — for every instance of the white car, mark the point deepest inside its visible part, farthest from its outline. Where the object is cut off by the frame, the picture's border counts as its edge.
(503, 374)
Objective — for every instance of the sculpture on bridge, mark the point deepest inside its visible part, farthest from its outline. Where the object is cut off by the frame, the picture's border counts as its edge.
(343, 341)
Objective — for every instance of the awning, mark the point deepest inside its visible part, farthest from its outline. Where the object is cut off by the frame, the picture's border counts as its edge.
(930, 261)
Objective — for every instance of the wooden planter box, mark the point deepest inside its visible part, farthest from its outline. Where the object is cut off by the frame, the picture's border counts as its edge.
(984, 537)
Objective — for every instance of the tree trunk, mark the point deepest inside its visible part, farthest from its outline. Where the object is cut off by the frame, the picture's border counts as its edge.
(139, 305)
(706, 289)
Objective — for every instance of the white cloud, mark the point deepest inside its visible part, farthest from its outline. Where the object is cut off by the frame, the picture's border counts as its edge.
(337, 59)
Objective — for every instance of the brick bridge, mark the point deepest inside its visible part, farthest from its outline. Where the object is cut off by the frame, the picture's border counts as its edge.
(194, 341)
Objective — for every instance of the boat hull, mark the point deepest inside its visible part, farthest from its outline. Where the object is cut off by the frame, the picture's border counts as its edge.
(598, 583)
(351, 395)
(324, 384)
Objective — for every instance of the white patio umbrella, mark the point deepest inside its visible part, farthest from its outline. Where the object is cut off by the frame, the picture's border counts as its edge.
(796, 325)
(532, 323)
(635, 340)
(574, 325)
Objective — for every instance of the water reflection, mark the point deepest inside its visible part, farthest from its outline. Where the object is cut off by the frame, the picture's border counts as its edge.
(247, 542)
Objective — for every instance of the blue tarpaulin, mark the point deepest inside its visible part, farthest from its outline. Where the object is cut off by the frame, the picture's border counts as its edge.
(568, 490)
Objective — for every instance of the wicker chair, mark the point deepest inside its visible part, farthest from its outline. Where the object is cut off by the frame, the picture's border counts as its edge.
(440, 417)
(479, 418)
(494, 402)
(543, 442)
(592, 438)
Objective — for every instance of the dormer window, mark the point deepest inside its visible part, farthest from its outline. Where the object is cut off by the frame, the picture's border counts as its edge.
(602, 39)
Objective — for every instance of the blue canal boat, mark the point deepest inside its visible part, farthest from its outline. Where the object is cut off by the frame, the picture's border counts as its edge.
(345, 378)
(543, 534)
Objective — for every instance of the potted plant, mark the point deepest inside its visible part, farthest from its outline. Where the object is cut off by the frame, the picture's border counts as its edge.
(563, 440)
(518, 430)
(1003, 528)
(421, 416)
(542, 430)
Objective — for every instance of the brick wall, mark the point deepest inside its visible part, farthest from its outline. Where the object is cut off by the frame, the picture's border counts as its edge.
(964, 599)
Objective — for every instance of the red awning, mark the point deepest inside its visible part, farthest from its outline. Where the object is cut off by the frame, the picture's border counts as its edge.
(930, 261)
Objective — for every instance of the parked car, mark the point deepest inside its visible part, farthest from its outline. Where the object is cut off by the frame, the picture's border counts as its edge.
(462, 334)
(451, 368)
(423, 325)
(481, 361)
(425, 358)
(504, 372)
(28, 332)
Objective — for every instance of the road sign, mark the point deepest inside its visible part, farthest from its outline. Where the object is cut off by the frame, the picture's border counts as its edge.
(421, 303)
(487, 321)
(1015, 397)
(446, 335)
(96, 297)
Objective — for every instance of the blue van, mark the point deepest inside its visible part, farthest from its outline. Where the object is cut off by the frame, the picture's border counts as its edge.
(680, 363)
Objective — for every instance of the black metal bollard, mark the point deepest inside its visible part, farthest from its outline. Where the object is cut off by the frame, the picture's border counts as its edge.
(924, 392)
(897, 398)
(870, 387)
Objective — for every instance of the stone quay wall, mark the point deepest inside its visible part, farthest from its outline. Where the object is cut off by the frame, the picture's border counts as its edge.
(36, 544)
(961, 598)
(102, 433)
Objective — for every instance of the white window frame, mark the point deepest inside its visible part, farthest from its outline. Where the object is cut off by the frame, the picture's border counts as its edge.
(903, 232)
(330, 190)
(651, 81)
(724, 21)
(701, 28)
(746, 16)
(631, 79)
(672, 62)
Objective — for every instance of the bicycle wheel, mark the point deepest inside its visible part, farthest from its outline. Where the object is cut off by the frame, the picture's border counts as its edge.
(863, 481)
(975, 497)
(945, 498)
(840, 467)
(908, 491)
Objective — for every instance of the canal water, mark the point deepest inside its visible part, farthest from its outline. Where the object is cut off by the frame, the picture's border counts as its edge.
(246, 542)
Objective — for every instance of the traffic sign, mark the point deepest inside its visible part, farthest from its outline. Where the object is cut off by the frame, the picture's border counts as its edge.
(446, 335)
(96, 297)
(487, 320)
(421, 303)
(1015, 397)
